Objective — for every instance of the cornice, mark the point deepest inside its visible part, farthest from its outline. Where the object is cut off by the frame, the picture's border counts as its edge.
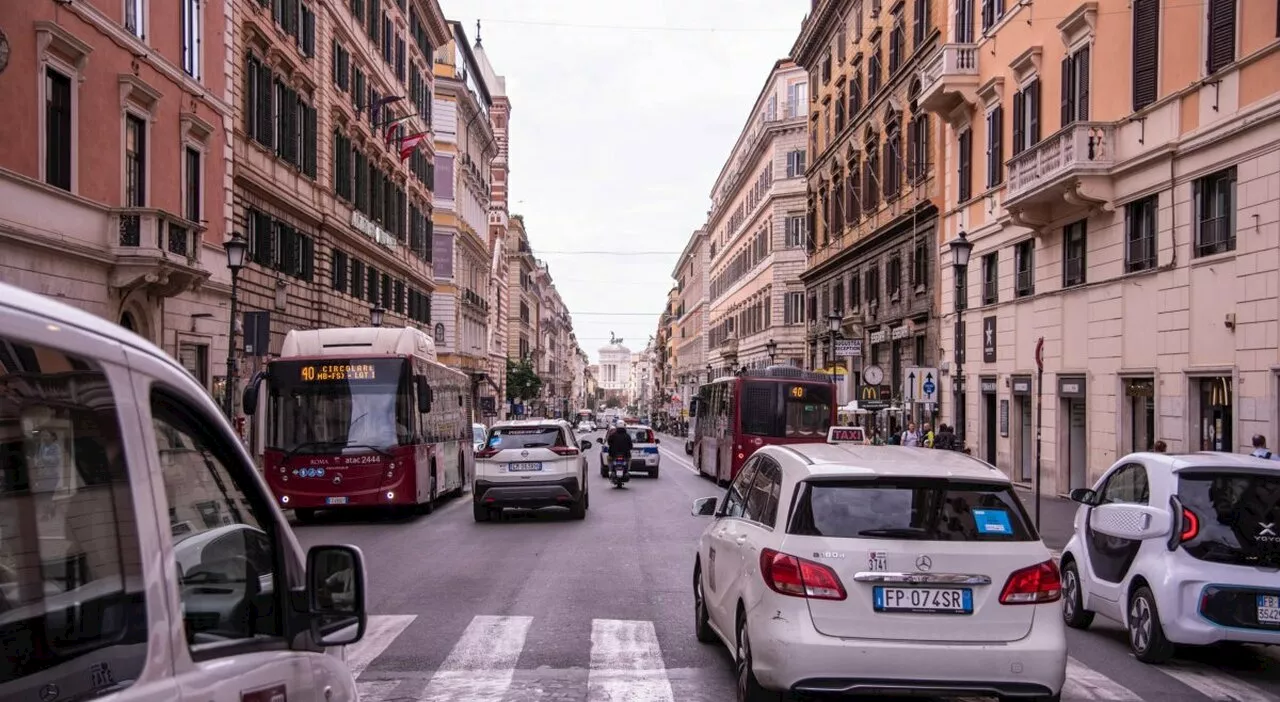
(817, 26)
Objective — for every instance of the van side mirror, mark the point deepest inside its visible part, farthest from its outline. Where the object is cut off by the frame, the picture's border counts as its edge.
(704, 507)
(336, 595)
(1084, 496)
(424, 394)
(249, 400)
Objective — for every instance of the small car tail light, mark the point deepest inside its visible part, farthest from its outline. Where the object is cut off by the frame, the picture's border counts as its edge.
(486, 453)
(1037, 584)
(796, 577)
(1190, 526)
(564, 450)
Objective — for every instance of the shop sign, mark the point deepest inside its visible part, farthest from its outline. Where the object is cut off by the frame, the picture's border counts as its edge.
(1022, 385)
(367, 227)
(1071, 387)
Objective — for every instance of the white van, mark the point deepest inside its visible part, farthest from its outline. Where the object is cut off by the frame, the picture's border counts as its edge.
(141, 556)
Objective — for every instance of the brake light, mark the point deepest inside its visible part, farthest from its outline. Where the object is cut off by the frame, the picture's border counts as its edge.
(564, 450)
(788, 575)
(1037, 584)
(1190, 526)
(486, 453)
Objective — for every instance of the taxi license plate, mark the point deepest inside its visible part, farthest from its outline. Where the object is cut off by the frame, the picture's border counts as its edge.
(923, 600)
(1269, 609)
(335, 500)
(528, 467)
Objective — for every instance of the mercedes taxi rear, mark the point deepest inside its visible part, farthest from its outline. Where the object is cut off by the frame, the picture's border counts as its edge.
(843, 568)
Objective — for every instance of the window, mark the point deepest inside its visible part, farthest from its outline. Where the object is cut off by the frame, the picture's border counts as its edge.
(873, 284)
(962, 288)
(341, 66)
(853, 190)
(1146, 52)
(964, 145)
(871, 175)
(1215, 212)
(194, 357)
(893, 276)
(1075, 86)
(875, 71)
(276, 245)
(73, 595)
(307, 32)
(191, 38)
(795, 163)
(1215, 419)
(795, 232)
(339, 270)
(193, 179)
(892, 176)
(1128, 485)
(1220, 495)
(135, 161)
(897, 42)
(855, 291)
(259, 114)
(992, 11)
(135, 15)
(991, 279)
(1024, 268)
(842, 46)
(1074, 253)
(920, 265)
(1026, 117)
(837, 297)
(57, 129)
(918, 147)
(840, 101)
(1140, 234)
(762, 499)
(964, 22)
(1222, 35)
(921, 23)
(223, 533)
(995, 146)
(919, 350)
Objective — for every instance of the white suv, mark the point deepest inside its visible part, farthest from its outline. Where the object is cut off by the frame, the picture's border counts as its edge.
(838, 569)
(531, 463)
(1180, 549)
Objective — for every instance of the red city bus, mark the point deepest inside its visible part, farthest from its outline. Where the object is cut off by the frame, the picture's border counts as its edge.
(363, 418)
(738, 414)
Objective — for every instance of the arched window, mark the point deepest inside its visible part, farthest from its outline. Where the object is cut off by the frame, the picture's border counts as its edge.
(917, 137)
(891, 179)
(853, 187)
(871, 172)
(126, 321)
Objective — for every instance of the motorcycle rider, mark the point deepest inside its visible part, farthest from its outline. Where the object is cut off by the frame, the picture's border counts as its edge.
(620, 447)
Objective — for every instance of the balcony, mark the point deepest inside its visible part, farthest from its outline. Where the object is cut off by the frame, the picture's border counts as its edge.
(950, 79)
(1071, 167)
(155, 251)
(471, 297)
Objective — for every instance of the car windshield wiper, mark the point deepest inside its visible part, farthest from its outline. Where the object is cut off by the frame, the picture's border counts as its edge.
(375, 449)
(310, 444)
(897, 533)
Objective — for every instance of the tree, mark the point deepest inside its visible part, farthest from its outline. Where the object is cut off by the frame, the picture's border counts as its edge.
(523, 383)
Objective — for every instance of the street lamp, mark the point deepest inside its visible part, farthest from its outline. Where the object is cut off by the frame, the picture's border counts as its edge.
(961, 250)
(376, 313)
(771, 347)
(237, 249)
(709, 369)
(833, 323)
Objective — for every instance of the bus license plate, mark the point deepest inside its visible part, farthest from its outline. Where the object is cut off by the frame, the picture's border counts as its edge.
(1269, 609)
(524, 467)
(924, 600)
(335, 500)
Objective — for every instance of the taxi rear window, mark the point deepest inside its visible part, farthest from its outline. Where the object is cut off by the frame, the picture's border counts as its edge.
(913, 509)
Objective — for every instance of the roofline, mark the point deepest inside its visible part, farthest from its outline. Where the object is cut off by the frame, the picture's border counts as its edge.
(688, 250)
(460, 38)
(742, 133)
(810, 31)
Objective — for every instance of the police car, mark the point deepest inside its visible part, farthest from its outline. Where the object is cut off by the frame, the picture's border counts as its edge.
(851, 569)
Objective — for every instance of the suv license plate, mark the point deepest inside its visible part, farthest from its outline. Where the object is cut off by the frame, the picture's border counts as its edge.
(524, 467)
(335, 500)
(923, 600)
(1269, 609)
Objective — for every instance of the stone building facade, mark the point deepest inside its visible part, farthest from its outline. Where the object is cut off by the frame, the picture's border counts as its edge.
(687, 329)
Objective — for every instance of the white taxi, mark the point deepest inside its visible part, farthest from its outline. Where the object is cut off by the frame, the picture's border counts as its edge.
(851, 569)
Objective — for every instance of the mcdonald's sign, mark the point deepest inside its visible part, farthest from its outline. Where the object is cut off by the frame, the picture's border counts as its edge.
(870, 392)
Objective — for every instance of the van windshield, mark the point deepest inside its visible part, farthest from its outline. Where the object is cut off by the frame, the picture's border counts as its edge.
(1238, 513)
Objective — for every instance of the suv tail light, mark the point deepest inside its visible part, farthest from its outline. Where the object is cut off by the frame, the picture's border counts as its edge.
(487, 453)
(1037, 584)
(788, 575)
(564, 450)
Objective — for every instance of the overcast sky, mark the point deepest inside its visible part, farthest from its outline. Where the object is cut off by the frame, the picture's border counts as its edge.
(622, 116)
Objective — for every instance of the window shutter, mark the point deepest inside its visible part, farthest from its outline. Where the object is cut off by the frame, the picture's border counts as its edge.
(1068, 91)
(1222, 34)
(1019, 119)
(911, 150)
(1082, 84)
(1146, 52)
(965, 146)
(997, 153)
(333, 58)
(964, 21)
(1031, 103)
(987, 15)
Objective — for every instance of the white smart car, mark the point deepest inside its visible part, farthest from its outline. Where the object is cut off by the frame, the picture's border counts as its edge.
(842, 568)
(1180, 549)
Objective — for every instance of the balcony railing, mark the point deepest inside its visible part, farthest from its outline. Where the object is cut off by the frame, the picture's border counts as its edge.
(143, 228)
(155, 250)
(938, 89)
(471, 297)
(1083, 147)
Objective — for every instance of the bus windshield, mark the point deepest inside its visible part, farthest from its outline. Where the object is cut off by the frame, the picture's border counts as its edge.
(335, 405)
(786, 410)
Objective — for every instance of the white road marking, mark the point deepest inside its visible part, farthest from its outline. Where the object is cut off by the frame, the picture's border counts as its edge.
(626, 663)
(381, 630)
(678, 459)
(1086, 684)
(1217, 686)
(482, 664)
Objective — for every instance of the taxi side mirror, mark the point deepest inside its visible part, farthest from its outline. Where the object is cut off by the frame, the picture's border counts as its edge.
(704, 507)
(586, 445)
(336, 595)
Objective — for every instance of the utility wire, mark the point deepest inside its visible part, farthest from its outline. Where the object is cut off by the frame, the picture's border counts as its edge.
(541, 252)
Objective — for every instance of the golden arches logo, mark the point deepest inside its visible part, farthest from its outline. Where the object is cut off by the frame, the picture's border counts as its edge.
(870, 392)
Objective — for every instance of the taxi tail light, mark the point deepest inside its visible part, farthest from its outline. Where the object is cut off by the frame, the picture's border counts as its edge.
(796, 577)
(564, 450)
(487, 453)
(1036, 584)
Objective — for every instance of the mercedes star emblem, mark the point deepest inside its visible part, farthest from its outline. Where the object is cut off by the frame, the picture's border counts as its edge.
(924, 563)
(524, 454)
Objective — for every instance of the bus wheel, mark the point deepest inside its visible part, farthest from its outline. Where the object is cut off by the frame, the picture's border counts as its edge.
(305, 516)
(430, 505)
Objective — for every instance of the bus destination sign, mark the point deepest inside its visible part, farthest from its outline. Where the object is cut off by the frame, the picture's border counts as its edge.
(330, 372)
(846, 435)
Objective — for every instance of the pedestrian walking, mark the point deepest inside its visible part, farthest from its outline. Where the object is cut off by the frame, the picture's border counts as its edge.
(911, 437)
(928, 437)
(1160, 447)
(1260, 449)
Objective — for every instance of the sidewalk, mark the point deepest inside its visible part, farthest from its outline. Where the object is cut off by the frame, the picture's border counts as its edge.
(1056, 516)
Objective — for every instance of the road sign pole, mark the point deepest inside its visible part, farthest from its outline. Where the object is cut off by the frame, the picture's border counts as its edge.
(1039, 420)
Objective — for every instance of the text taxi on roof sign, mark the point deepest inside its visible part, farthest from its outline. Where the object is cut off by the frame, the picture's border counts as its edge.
(846, 435)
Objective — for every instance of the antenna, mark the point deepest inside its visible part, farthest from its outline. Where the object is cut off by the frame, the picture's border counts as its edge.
(478, 45)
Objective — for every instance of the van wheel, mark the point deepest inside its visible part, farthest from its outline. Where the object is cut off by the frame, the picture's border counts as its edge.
(1146, 636)
(1074, 614)
(305, 516)
(480, 512)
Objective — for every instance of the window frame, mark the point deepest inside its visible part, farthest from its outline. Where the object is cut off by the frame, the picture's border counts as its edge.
(1024, 252)
(1074, 233)
(1134, 213)
(143, 118)
(139, 8)
(73, 75)
(191, 26)
(1200, 198)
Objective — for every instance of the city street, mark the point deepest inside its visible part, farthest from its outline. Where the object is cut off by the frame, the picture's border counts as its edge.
(541, 608)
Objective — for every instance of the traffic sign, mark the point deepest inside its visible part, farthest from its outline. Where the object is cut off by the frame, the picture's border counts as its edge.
(921, 385)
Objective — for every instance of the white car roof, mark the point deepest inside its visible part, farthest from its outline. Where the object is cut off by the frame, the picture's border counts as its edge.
(835, 460)
(1202, 459)
(531, 423)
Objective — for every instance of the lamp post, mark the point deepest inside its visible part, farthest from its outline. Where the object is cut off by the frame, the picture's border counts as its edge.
(961, 249)
(833, 323)
(376, 313)
(237, 248)
(709, 369)
(771, 348)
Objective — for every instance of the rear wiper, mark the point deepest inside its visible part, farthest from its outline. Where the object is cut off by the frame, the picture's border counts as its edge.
(896, 533)
(528, 446)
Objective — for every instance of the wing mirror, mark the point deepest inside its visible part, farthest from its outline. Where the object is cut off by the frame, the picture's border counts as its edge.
(600, 440)
(656, 440)
(1084, 496)
(704, 507)
(336, 595)
(425, 396)
(249, 399)
(585, 445)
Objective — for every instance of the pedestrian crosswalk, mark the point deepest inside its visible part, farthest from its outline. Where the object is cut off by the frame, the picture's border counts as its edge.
(623, 661)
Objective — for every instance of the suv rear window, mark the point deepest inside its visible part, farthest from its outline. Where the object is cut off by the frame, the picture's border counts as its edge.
(1238, 513)
(502, 438)
(925, 509)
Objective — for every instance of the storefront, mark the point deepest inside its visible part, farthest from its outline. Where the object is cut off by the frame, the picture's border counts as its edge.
(992, 420)
(1214, 430)
(1138, 408)
(1073, 435)
(1024, 429)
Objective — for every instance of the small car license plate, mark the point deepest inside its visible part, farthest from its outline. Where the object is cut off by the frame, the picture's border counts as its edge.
(1269, 609)
(637, 453)
(527, 467)
(923, 600)
(335, 500)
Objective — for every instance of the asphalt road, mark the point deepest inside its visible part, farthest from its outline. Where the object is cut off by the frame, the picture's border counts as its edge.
(541, 608)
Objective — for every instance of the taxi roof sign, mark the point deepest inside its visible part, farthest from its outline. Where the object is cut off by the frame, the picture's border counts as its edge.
(846, 435)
